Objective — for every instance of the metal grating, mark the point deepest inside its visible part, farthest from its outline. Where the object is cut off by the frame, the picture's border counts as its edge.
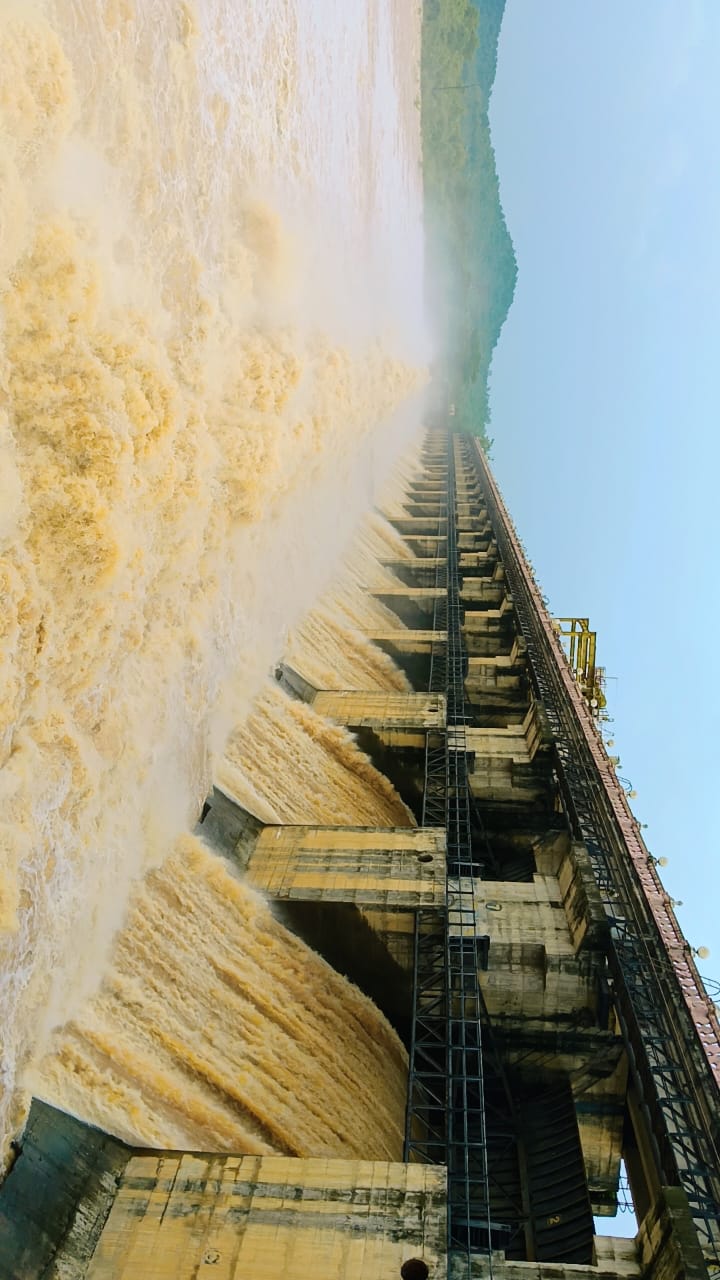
(446, 1118)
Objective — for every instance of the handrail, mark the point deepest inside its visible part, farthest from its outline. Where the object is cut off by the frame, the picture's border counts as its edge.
(670, 1025)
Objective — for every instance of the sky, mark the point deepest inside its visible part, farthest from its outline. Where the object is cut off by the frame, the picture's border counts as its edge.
(605, 385)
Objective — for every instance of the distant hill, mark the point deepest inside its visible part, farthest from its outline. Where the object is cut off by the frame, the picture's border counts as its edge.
(471, 267)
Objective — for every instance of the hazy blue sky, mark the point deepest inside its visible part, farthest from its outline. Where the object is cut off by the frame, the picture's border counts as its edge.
(605, 387)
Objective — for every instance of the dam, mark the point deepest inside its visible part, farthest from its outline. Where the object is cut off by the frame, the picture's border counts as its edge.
(502, 1057)
(329, 943)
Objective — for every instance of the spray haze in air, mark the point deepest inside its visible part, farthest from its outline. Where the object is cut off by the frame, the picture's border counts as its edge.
(210, 345)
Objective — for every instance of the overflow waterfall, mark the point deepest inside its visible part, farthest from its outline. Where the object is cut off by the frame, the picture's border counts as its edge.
(227, 1034)
(288, 764)
(211, 1036)
(328, 647)
(193, 416)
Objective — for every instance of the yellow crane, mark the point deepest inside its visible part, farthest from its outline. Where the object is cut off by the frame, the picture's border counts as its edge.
(580, 645)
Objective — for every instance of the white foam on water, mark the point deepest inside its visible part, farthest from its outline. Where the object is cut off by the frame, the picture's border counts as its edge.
(211, 350)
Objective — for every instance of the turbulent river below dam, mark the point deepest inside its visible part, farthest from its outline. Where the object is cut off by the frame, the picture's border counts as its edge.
(211, 351)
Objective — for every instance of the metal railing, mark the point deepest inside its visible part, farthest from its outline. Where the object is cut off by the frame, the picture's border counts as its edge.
(677, 1091)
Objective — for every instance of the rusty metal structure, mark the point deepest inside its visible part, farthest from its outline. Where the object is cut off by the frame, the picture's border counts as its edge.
(669, 1025)
(652, 993)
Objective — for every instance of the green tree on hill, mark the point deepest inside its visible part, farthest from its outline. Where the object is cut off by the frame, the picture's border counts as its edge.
(471, 268)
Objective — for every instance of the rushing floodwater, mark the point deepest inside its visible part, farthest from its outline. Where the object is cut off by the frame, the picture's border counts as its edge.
(210, 267)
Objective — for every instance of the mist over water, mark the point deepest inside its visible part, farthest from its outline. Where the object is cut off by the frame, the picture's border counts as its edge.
(212, 348)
